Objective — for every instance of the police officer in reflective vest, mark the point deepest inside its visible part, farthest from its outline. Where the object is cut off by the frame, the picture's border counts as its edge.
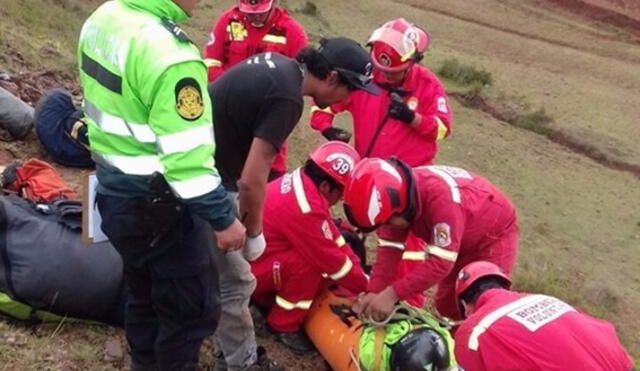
(159, 195)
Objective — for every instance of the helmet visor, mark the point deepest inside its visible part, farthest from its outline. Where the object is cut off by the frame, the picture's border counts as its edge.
(403, 43)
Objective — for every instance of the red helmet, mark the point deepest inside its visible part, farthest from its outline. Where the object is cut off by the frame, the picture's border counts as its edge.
(375, 192)
(472, 272)
(336, 159)
(397, 44)
(255, 6)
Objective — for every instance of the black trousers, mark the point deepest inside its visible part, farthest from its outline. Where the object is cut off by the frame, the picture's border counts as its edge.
(172, 284)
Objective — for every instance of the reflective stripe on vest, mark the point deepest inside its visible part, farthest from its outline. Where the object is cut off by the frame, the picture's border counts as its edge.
(491, 318)
(298, 188)
(340, 241)
(195, 187)
(186, 140)
(115, 125)
(287, 305)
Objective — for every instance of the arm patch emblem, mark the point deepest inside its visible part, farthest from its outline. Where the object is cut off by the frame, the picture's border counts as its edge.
(189, 103)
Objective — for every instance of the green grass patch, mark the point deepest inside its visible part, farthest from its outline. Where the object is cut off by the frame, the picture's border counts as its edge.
(464, 74)
(537, 121)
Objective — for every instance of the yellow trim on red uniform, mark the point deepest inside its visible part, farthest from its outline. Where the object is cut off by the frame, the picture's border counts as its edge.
(340, 274)
(275, 39)
(287, 305)
(442, 129)
(210, 62)
(327, 110)
(441, 253)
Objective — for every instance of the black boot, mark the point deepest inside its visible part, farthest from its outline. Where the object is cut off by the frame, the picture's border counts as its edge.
(297, 341)
(264, 363)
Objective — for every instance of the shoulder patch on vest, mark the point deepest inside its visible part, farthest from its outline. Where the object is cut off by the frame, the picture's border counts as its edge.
(176, 30)
(189, 103)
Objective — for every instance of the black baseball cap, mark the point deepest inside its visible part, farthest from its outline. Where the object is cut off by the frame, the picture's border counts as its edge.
(351, 61)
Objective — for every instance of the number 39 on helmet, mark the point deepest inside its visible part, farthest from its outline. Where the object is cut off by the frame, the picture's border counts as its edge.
(337, 159)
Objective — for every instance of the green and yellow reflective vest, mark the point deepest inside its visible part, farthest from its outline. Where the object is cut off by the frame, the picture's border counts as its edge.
(146, 102)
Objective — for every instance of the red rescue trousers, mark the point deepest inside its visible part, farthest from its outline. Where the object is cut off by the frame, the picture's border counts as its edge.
(286, 285)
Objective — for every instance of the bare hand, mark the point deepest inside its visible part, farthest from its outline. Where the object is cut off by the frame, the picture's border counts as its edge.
(381, 306)
(232, 238)
(361, 304)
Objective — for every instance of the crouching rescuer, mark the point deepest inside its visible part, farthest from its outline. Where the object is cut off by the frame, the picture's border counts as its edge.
(159, 195)
(305, 250)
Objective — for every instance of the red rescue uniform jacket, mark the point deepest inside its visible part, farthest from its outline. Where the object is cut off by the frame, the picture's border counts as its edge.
(233, 40)
(297, 221)
(459, 213)
(415, 146)
(516, 331)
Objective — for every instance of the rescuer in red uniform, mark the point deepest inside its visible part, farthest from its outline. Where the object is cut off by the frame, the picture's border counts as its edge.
(410, 115)
(508, 330)
(253, 27)
(408, 118)
(305, 249)
(460, 216)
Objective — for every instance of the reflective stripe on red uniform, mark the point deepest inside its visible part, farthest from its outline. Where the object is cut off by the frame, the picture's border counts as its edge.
(304, 240)
(233, 40)
(415, 146)
(458, 214)
(516, 331)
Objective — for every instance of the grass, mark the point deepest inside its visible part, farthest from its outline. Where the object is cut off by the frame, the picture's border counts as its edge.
(579, 225)
(464, 74)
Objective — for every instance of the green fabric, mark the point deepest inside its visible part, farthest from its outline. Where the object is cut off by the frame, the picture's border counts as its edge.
(127, 38)
(395, 330)
(24, 312)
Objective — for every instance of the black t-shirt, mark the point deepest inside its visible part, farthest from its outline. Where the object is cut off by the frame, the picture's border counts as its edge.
(260, 97)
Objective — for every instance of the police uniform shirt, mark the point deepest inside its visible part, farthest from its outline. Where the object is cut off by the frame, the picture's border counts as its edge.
(261, 97)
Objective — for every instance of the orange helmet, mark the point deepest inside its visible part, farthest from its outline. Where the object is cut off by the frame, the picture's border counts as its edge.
(376, 191)
(337, 159)
(397, 44)
(255, 6)
(472, 272)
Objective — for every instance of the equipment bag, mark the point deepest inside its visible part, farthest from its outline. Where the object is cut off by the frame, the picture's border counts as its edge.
(16, 117)
(45, 265)
(36, 181)
(61, 129)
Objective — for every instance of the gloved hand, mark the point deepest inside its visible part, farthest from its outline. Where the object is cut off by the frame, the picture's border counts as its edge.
(254, 247)
(399, 110)
(337, 134)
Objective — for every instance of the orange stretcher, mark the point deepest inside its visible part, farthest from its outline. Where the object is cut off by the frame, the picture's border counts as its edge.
(336, 338)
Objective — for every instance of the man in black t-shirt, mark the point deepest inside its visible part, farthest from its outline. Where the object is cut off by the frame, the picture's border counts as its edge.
(256, 105)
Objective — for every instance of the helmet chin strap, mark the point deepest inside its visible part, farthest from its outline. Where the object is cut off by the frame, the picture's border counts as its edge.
(410, 211)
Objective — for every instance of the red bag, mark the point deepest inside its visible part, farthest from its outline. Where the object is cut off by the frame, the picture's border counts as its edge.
(37, 181)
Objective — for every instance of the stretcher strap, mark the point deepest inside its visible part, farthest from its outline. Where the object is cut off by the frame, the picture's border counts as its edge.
(378, 345)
